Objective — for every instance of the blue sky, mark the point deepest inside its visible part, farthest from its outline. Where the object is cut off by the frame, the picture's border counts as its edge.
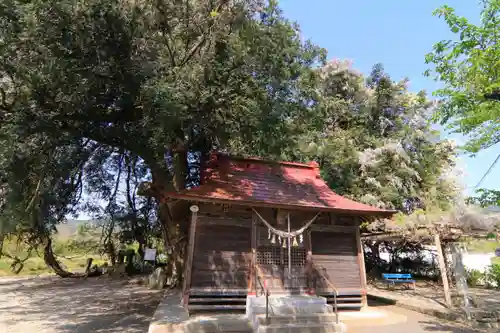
(396, 33)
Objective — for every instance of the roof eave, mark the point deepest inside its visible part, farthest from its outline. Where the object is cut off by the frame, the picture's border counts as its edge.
(254, 203)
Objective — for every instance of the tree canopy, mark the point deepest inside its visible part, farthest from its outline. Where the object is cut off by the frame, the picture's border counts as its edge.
(98, 92)
(469, 68)
(374, 142)
(98, 96)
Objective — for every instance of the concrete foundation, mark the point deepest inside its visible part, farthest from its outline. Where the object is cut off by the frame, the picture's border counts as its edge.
(291, 314)
(309, 314)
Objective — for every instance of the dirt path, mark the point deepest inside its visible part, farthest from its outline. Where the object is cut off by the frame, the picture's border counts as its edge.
(54, 305)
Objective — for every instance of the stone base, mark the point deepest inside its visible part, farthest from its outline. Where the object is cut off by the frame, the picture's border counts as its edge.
(296, 328)
(293, 314)
(169, 316)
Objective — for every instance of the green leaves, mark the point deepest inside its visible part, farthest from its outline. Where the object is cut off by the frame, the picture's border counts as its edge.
(485, 198)
(469, 67)
(98, 91)
(104, 87)
(374, 142)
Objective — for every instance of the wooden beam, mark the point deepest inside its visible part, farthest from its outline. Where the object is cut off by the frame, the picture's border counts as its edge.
(247, 203)
(213, 220)
(252, 287)
(333, 228)
(309, 262)
(361, 262)
(190, 254)
(442, 267)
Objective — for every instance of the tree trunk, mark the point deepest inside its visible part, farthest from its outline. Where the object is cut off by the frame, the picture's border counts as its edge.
(174, 235)
(2, 237)
(51, 260)
(111, 252)
(173, 231)
(175, 245)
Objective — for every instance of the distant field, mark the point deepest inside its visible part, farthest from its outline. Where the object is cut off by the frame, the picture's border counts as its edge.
(36, 265)
(483, 246)
(73, 244)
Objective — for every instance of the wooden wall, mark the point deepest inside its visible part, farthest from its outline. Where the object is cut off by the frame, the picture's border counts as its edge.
(335, 252)
(337, 256)
(222, 249)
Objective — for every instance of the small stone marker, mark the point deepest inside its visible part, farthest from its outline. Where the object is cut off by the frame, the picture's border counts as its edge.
(157, 279)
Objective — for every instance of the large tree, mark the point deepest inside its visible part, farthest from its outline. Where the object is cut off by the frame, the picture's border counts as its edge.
(375, 144)
(101, 95)
(95, 93)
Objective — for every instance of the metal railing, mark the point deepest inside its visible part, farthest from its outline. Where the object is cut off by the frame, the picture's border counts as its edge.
(264, 290)
(313, 270)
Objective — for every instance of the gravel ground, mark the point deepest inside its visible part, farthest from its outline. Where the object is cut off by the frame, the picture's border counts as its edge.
(54, 305)
(407, 322)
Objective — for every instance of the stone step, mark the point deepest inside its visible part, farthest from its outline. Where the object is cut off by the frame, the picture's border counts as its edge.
(340, 293)
(341, 299)
(295, 300)
(320, 318)
(293, 310)
(225, 325)
(341, 306)
(302, 328)
(216, 300)
(194, 292)
(215, 307)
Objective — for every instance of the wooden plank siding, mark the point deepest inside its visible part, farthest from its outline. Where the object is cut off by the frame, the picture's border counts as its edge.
(222, 255)
(335, 254)
(230, 241)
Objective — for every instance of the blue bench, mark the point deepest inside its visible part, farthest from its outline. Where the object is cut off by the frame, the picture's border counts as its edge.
(392, 279)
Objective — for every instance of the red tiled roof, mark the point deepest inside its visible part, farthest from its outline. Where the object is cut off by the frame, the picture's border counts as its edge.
(257, 182)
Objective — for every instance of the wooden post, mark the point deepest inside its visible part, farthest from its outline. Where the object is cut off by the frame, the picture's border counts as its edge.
(442, 268)
(289, 250)
(253, 272)
(311, 285)
(190, 253)
(362, 268)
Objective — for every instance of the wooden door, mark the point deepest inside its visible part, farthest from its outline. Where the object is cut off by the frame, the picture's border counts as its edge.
(272, 260)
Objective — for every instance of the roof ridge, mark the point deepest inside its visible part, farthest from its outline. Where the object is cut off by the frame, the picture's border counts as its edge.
(310, 165)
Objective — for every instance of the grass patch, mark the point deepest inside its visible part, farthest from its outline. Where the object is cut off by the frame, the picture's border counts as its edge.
(36, 265)
(483, 246)
(72, 251)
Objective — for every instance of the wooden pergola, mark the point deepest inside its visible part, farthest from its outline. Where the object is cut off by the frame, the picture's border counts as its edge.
(432, 234)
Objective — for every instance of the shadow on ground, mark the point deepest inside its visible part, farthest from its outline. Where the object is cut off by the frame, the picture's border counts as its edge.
(425, 290)
(76, 305)
(429, 326)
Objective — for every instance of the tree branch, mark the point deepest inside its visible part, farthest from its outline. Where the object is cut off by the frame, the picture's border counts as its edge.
(203, 38)
(166, 33)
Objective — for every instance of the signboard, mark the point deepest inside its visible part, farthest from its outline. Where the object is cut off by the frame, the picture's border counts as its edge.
(149, 254)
